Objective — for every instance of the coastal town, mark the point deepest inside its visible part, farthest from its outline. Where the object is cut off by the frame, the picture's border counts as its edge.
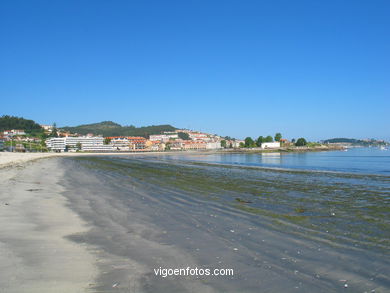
(58, 140)
(33, 137)
(63, 141)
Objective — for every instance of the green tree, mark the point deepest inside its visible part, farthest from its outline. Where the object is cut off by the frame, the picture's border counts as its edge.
(249, 143)
(259, 141)
(107, 140)
(301, 142)
(268, 139)
(293, 140)
(54, 132)
(78, 146)
(242, 145)
(278, 136)
(184, 135)
(223, 143)
(11, 122)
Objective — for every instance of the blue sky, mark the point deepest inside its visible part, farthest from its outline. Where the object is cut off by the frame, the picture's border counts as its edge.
(316, 69)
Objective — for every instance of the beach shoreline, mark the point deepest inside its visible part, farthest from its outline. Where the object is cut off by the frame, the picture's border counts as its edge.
(99, 222)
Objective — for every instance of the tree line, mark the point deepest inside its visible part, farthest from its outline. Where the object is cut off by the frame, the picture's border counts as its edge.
(11, 122)
(251, 143)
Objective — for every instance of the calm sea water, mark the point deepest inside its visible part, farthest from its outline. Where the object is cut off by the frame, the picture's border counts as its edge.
(355, 160)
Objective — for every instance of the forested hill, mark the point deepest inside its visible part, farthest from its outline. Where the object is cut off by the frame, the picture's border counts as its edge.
(11, 122)
(342, 140)
(109, 128)
(354, 141)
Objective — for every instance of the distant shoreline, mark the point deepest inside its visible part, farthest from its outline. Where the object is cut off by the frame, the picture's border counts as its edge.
(285, 149)
(9, 159)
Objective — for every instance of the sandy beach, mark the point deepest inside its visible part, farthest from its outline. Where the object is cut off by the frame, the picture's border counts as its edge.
(35, 255)
(8, 159)
(103, 223)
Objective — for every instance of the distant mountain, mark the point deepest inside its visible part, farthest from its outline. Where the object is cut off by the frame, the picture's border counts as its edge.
(342, 140)
(354, 141)
(109, 128)
(11, 122)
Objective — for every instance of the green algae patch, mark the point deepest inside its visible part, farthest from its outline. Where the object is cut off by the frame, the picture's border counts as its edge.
(342, 208)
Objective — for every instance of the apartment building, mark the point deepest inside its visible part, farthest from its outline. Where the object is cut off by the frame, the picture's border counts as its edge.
(213, 145)
(163, 137)
(72, 143)
(198, 136)
(194, 145)
(128, 143)
(119, 141)
(137, 143)
(155, 145)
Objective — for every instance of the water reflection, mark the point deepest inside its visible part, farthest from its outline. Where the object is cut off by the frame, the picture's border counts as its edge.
(357, 160)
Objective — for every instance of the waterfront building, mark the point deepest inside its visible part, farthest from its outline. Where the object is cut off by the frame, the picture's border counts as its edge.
(194, 145)
(213, 145)
(270, 145)
(237, 143)
(137, 143)
(63, 143)
(127, 143)
(98, 148)
(284, 142)
(119, 141)
(155, 145)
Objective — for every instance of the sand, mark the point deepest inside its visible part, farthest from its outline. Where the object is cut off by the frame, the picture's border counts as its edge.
(35, 255)
(11, 159)
(8, 159)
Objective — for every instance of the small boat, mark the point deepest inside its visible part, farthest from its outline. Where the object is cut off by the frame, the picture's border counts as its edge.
(382, 148)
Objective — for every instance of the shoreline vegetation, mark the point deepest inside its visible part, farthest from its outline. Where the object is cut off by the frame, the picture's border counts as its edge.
(290, 149)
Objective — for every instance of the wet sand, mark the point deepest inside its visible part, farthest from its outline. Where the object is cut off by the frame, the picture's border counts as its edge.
(115, 224)
(146, 216)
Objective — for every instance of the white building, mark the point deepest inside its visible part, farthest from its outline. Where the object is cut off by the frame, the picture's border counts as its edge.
(236, 143)
(213, 145)
(198, 136)
(14, 132)
(119, 141)
(270, 145)
(48, 128)
(62, 143)
(163, 137)
(98, 148)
